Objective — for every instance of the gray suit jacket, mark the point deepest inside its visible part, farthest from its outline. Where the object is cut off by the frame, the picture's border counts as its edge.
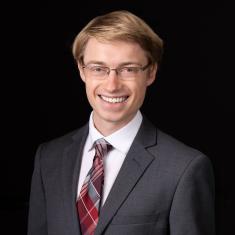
(163, 187)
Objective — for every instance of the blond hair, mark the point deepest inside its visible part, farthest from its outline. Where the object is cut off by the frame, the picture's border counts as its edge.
(119, 25)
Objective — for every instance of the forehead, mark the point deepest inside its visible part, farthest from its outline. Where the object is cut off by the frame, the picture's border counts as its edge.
(114, 52)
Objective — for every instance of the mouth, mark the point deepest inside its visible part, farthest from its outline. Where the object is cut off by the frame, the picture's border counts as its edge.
(114, 100)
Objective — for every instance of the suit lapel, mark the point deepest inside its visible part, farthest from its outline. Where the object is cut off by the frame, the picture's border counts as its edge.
(70, 172)
(137, 161)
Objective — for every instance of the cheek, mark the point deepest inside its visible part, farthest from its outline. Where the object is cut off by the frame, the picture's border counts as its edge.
(91, 89)
(139, 93)
(140, 88)
(90, 86)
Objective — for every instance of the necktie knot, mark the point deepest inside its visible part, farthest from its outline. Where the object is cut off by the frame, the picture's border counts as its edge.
(102, 147)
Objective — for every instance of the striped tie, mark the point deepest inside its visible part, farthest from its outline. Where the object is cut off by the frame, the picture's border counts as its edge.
(89, 201)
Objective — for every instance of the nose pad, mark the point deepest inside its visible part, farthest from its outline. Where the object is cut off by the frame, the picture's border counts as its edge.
(116, 74)
(113, 82)
(116, 71)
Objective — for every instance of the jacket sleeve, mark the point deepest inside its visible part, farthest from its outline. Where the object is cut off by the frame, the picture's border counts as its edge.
(37, 221)
(192, 210)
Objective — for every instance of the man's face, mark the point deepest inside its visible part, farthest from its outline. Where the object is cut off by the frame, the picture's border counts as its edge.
(115, 101)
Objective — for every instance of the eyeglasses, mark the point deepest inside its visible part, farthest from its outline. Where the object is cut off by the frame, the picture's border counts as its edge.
(124, 73)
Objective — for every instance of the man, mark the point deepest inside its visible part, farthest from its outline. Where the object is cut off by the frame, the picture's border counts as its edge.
(119, 174)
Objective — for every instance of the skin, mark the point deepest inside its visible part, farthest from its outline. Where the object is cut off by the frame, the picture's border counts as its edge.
(109, 117)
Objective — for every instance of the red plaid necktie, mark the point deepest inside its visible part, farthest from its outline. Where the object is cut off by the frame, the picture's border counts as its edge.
(89, 201)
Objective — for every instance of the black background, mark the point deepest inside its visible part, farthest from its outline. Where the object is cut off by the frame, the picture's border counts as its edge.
(43, 96)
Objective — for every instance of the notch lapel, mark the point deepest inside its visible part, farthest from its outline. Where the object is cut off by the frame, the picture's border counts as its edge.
(137, 161)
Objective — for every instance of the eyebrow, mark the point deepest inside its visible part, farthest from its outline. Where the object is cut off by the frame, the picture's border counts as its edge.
(120, 65)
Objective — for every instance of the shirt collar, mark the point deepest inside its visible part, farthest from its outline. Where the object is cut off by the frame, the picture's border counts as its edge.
(120, 139)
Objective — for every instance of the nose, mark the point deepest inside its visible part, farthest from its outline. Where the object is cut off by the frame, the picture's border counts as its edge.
(112, 82)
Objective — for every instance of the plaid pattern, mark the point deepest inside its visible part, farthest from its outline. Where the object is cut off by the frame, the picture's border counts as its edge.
(89, 201)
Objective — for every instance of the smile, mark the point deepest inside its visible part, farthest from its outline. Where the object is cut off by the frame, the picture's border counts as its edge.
(114, 100)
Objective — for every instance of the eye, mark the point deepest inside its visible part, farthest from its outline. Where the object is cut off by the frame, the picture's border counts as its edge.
(129, 69)
(97, 69)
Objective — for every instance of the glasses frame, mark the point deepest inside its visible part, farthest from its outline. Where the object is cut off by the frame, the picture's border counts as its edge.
(117, 70)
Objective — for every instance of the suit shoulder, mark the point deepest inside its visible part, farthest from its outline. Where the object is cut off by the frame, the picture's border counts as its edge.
(165, 146)
(175, 157)
(175, 150)
(59, 143)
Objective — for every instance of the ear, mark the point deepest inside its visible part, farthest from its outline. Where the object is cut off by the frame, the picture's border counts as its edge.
(152, 74)
(81, 72)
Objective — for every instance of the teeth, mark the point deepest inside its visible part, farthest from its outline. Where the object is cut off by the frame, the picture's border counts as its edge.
(114, 100)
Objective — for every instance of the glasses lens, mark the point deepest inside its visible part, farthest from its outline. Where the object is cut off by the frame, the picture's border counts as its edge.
(97, 71)
(129, 72)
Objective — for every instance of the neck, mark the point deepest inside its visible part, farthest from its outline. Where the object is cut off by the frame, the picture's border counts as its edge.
(106, 127)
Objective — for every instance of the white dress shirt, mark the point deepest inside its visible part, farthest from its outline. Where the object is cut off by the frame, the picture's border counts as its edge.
(121, 141)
